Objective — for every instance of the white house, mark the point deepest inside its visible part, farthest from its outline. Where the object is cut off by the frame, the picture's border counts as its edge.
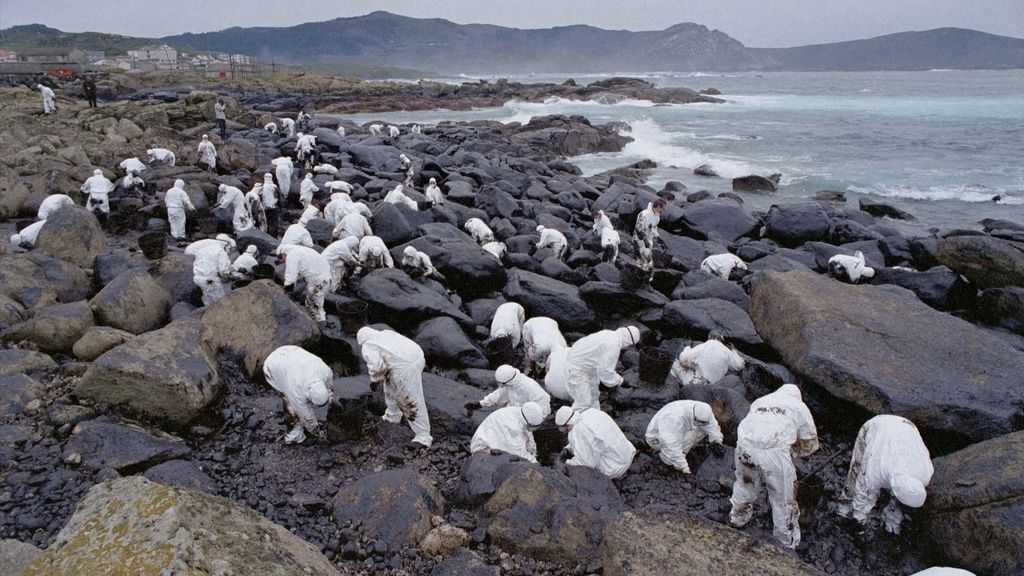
(159, 56)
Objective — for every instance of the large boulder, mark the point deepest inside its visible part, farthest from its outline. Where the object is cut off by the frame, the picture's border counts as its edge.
(939, 287)
(987, 262)
(886, 351)
(543, 296)
(73, 234)
(38, 279)
(15, 361)
(134, 526)
(163, 376)
(753, 183)
(651, 542)
(721, 220)
(54, 328)
(16, 391)
(394, 506)
(402, 301)
(1003, 307)
(794, 224)
(694, 319)
(254, 321)
(976, 506)
(97, 340)
(446, 345)
(134, 302)
(546, 515)
(468, 269)
(610, 299)
(125, 447)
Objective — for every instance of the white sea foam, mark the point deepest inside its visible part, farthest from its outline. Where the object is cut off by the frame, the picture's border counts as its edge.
(651, 141)
(955, 192)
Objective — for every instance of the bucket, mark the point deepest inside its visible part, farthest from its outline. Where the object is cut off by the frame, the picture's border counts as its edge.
(550, 441)
(424, 206)
(499, 351)
(263, 271)
(346, 419)
(153, 245)
(352, 315)
(634, 277)
(655, 365)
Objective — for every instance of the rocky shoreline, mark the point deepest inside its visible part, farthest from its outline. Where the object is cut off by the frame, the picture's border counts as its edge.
(110, 372)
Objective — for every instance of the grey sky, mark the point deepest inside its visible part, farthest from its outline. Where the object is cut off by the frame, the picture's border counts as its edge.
(756, 23)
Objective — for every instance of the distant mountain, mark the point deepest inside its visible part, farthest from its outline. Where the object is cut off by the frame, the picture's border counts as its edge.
(38, 36)
(952, 48)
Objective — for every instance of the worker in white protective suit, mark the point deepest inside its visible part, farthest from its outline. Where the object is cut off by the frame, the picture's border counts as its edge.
(271, 127)
(433, 192)
(398, 197)
(496, 249)
(310, 213)
(398, 363)
(269, 195)
(849, 269)
(601, 221)
(645, 233)
(307, 190)
(243, 266)
(254, 203)
(591, 362)
(302, 263)
(132, 166)
(98, 189)
(418, 265)
(375, 129)
(596, 441)
(325, 169)
(211, 266)
(161, 156)
(232, 199)
(610, 244)
(177, 201)
(479, 230)
(28, 235)
(889, 455)
(509, 430)
(678, 427)
(305, 150)
(337, 206)
(540, 336)
(508, 322)
(516, 389)
(393, 131)
(51, 204)
(373, 253)
(289, 127)
(778, 427)
(352, 224)
(207, 154)
(305, 382)
(409, 171)
(49, 106)
(706, 363)
(297, 234)
(943, 571)
(415, 129)
(553, 239)
(343, 258)
(340, 130)
(722, 265)
(556, 379)
(283, 171)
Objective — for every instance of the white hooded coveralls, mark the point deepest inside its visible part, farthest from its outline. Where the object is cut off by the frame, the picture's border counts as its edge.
(306, 264)
(342, 256)
(49, 107)
(375, 129)
(211, 266)
(283, 170)
(304, 146)
(551, 238)
(268, 193)
(353, 224)
(597, 442)
(305, 382)
(28, 234)
(246, 262)
(889, 455)
(409, 172)
(398, 362)
(161, 155)
(591, 362)
(254, 203)
(271, 127)
(373, 253)
(706, 363)
(177, 200)
(98, 188)
(207, 152)
(311, 212)
(778, 426)
(540, 336)
(433, 193)
(335, 209)
(233, 199)
(393, 131)
(852, 268)
(645, 233)
(397, 196)
(132, 165)
(289, 126)
(508, 430)
(51, 204)
(307, 190)
(610, 244)
(601, 222)
(496, 249)
(556, 380)
(516, 389)
(678, 427)
(943, 571)
(722, 265)
(417, 264)
(479, 230)
(508, 322)
(297, 235)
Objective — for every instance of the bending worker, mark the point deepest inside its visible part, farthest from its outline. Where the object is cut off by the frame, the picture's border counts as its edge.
(591, 362)
(398, 363)
(305, 382)
(707, 363)
(211, 266)
(509, 430)
(596, 441)
(678, 427)
(516, 389)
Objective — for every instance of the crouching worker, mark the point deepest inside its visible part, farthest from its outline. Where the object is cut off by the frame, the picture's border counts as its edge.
(397, 362)
(418, 265)
(596, 441)
(678, 427)
(305, 382)
(509, 430)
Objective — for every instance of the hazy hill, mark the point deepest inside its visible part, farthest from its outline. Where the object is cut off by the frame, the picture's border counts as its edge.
(38, 36)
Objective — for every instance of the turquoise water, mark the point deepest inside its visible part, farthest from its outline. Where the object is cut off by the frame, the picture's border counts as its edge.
(939, 144)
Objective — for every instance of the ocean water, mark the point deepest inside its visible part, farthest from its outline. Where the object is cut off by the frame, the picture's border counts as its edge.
(940, 144)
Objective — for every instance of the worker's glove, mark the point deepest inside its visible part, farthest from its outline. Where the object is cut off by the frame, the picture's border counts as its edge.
(473, 406)
(289, 288)
(718, 449)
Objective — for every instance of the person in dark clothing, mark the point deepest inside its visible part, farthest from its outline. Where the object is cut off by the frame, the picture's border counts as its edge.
(220, 110)
(89, 90)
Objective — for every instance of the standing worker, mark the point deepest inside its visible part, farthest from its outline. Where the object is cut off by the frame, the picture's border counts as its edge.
(89, 90)
(176, 200)
(220, 111)
(97, 187)
(645, 233)
(49, 107)
(397, 362)
(778, 426)
(305, 382)
(211, 266)
(207, 155)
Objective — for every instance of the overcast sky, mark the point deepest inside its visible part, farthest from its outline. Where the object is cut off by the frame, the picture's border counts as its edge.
(756, 23)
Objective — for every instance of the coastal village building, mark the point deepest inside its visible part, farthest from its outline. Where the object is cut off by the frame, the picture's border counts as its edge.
(154, 57)
(53, 56)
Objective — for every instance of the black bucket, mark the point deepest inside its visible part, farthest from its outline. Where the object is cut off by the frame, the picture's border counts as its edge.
(550, 442)
(352, 315)
(499, 351)
(346, 420)
(634, 277)
(655, 365)
(153, 245)
(424, 206)
(263, 272)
